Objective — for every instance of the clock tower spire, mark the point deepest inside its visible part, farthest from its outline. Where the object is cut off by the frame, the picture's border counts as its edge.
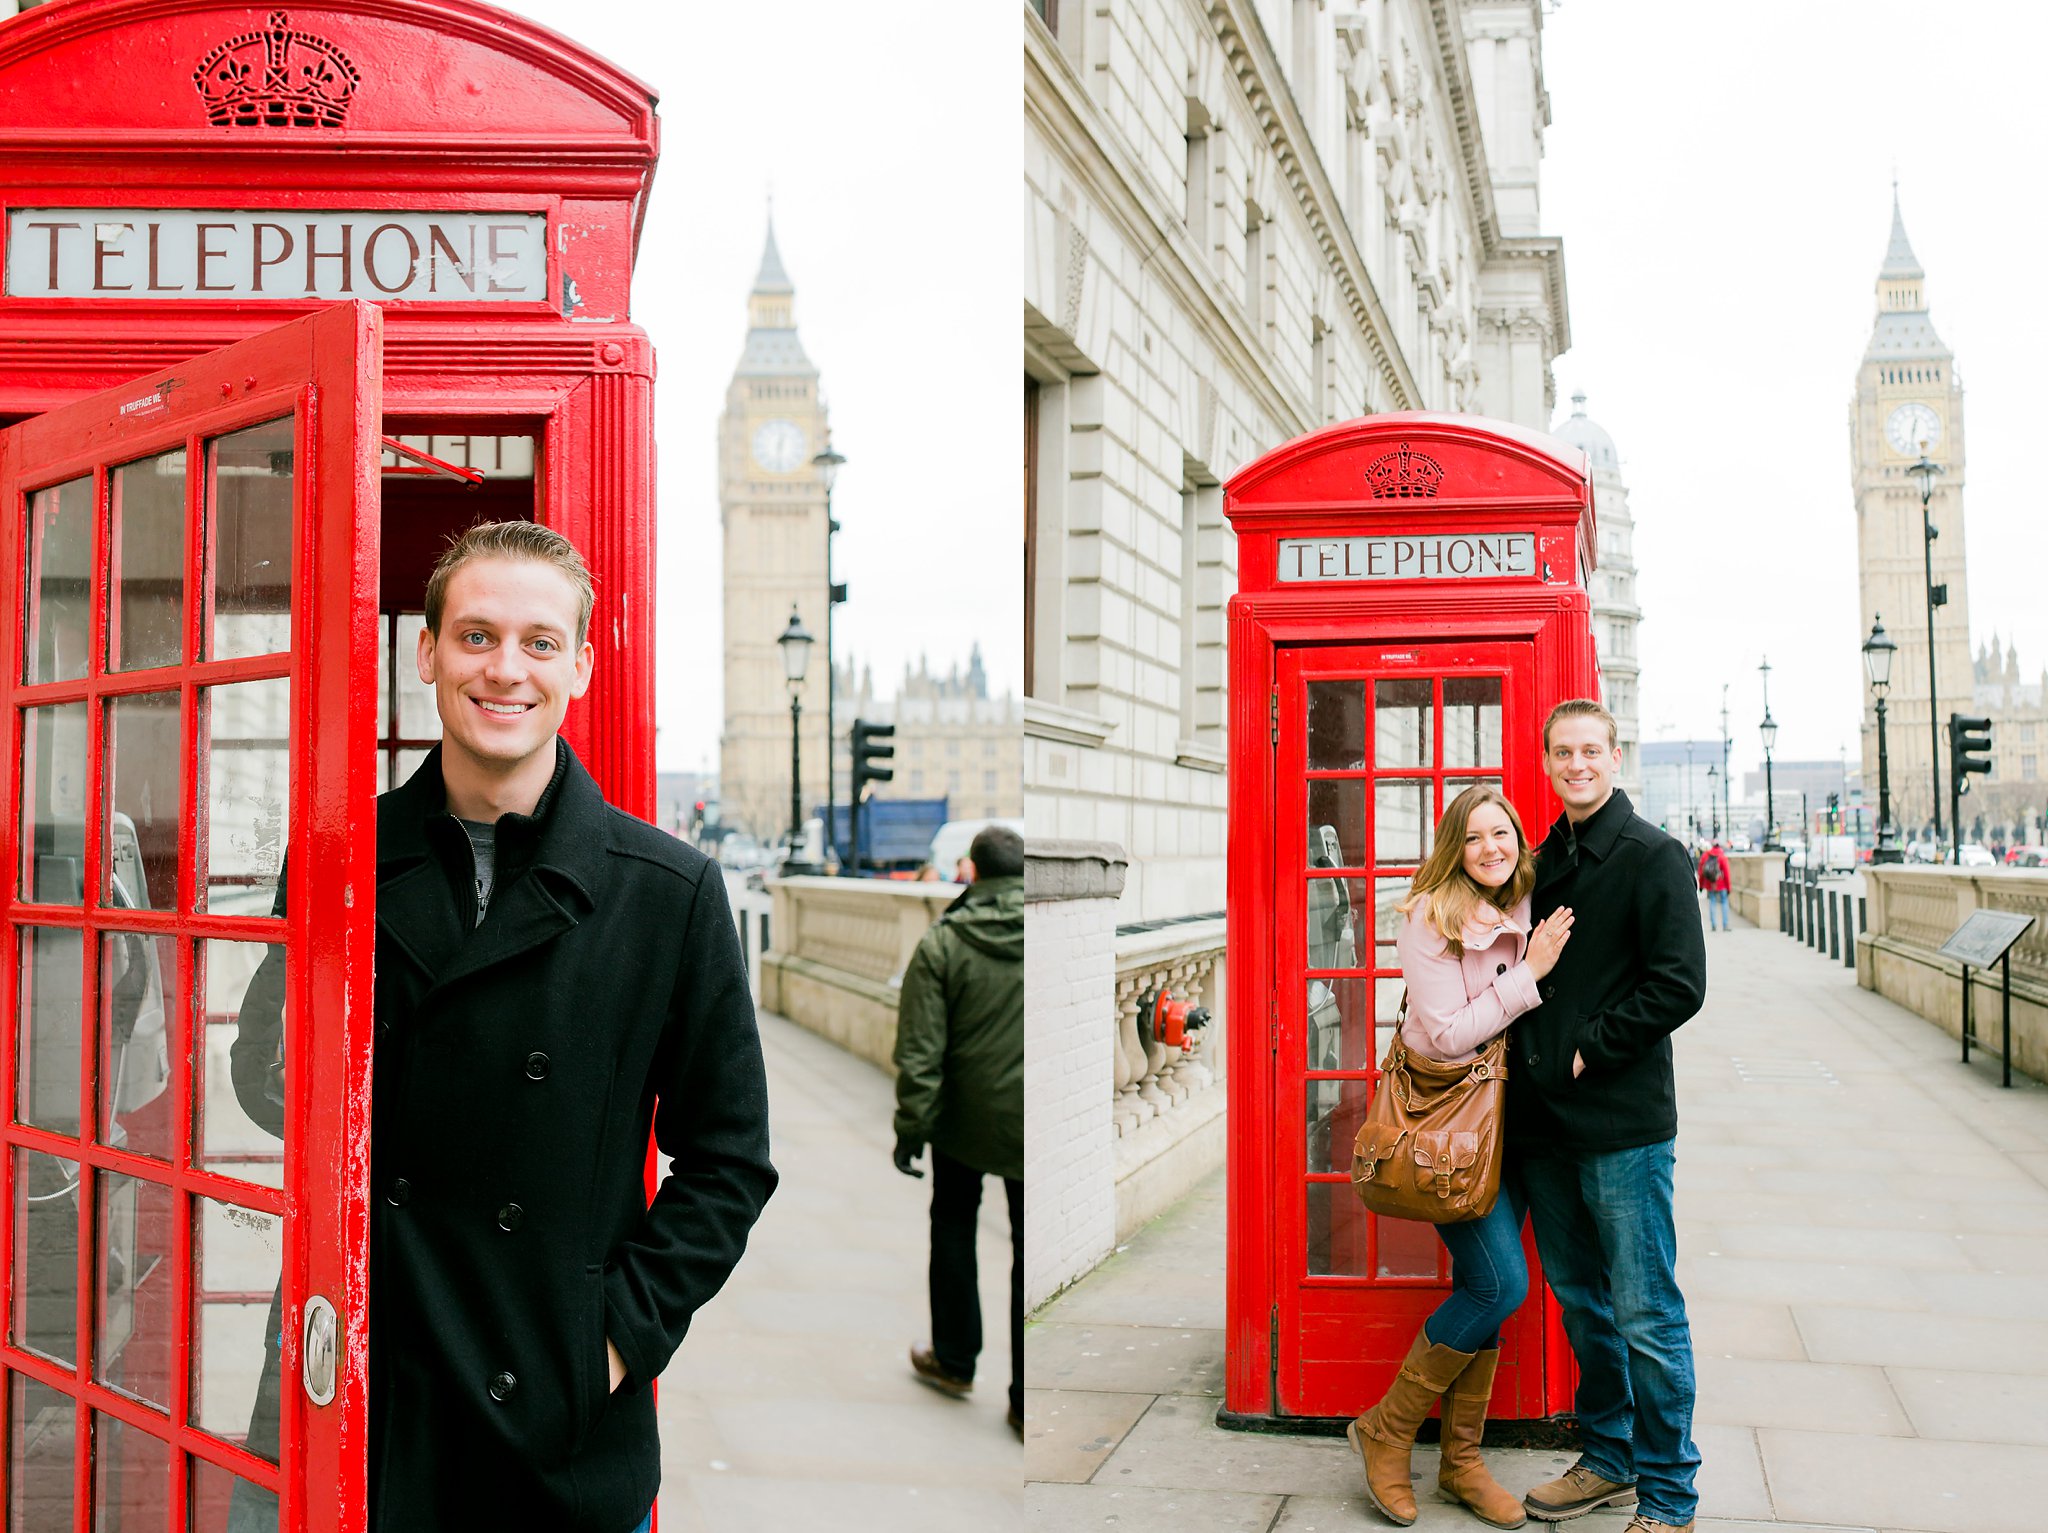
(772, 512)
(1909, 401)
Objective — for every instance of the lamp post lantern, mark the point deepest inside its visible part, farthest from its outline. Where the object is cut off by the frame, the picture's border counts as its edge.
(1923, 473)
(796, 644)
(827, 464)
(1878, 650)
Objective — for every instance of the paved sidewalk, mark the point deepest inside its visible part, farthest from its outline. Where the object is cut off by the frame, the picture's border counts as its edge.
(1863, 1229)
(791, 1404)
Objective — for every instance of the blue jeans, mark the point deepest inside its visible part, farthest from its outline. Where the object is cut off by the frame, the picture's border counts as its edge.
(1604, 1230)
(1717, 900)
(1489, 1278)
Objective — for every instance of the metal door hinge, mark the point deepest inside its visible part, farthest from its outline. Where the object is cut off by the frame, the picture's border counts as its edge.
(1276, 716)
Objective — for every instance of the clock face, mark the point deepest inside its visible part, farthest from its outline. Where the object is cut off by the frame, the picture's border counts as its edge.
(779, 445)
(1913, 429)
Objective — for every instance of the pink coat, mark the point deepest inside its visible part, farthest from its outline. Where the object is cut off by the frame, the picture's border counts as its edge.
(1455, 1005)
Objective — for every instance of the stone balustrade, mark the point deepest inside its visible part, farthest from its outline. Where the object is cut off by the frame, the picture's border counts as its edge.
(1912, 911)
(1167, 1108)
(1754, 878)
(840, 948)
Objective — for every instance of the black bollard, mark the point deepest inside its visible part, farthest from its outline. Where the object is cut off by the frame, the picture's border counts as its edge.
(1834, 927)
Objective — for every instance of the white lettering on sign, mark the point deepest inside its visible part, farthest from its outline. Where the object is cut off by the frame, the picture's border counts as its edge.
(1445, 556)
(160, 253)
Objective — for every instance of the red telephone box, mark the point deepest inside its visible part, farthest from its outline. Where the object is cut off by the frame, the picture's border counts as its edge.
(1411, 602)
(288, 297)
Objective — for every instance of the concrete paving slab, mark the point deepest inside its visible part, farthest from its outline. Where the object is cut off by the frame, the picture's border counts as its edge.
(1177, 1444)
(1985, 1295)
(1848, 1335)
(1805, 1241)
(1795, 1282)
(1149, 1359)
(1753, 1392)
(1910, 1483)
(1739, 1328)
(1974, 1407)
(1731, 1480)
(1135, 1509)
(1070, 1433)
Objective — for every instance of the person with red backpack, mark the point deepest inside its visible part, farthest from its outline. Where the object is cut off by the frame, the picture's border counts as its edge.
(1713, 877)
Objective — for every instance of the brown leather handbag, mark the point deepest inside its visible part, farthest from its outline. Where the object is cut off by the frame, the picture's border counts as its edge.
(1430, 1146)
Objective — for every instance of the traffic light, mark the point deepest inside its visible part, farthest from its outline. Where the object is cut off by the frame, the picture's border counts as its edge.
(1834, 813)
(1969, 747)
(870, 745)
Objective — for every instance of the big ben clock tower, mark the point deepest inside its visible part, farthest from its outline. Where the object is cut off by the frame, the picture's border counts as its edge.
(772, 511)
(1909, 401)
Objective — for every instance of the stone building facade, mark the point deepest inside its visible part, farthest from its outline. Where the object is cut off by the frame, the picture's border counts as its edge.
(1616, 615)
(1244, 219)
(771, 505)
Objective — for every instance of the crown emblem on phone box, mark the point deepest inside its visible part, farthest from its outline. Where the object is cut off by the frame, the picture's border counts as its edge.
(279, 77)
(1404, 475)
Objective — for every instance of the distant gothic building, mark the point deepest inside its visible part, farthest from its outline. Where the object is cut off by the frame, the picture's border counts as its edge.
(771, 504)
(2013, 801)
(1615, 613)
(952, 739)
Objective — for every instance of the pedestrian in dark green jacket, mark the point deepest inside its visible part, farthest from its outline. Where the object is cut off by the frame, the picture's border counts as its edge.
(960, 1089)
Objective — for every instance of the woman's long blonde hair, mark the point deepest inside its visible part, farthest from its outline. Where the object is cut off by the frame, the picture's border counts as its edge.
(1444, 891)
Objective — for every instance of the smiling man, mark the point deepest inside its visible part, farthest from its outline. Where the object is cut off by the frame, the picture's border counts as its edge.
(554, 978)
(1592, 1123)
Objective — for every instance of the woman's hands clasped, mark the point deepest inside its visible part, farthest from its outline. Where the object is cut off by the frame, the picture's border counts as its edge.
(1548, 940)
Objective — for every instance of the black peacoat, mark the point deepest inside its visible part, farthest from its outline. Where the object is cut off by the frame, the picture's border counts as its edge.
(517, 1069)
(1634, 970)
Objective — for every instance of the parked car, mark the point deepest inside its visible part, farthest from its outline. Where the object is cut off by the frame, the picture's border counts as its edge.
(956, 836)
(1971, 855)
(2028, 857)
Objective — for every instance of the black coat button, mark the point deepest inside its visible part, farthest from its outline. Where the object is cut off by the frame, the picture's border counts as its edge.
(509, 1217)
(1535, 1059)
(1502, 969)
(397, 1194)
(502, 1385)
(536, 1067)
(1550, 992)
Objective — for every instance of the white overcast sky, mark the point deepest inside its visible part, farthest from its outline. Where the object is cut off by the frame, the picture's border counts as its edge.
(892, 142)
(1722, 180)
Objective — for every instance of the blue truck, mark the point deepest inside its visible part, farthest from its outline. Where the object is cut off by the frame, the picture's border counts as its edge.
(895, 833)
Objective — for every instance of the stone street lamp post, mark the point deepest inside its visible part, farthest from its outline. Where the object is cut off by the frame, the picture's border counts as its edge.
(796, 644)
(1878, 650)
(1923, 474)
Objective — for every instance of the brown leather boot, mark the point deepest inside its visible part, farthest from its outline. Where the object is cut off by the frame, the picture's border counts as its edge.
(1385, 1435)
(1463, 1475)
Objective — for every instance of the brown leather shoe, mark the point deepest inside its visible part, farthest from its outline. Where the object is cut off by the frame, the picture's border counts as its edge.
(1574, 1493)
(1641, 1524)
(1385, 1435)
(1463, 1476)
(925, 1364)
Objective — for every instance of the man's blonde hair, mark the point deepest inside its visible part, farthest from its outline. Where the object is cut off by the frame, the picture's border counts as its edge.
(1582, 708)
(511, 540)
